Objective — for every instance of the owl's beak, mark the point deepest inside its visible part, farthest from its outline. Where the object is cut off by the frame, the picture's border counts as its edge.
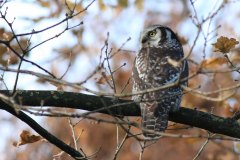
(144, 40)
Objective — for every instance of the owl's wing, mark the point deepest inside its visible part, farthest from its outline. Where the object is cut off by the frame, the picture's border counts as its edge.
(152, 74)
(154, 113)
(137, 82)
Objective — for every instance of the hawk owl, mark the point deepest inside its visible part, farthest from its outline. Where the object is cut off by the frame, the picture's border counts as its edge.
(150, 70)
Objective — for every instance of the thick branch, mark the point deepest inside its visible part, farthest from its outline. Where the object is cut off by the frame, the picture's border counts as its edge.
(212, 123)
(44, 133)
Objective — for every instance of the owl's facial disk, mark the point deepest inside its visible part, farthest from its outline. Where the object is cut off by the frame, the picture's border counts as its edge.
(150, 37)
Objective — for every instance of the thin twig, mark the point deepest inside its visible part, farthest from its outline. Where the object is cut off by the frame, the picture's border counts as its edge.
(125, 85)
(120, 146)
(124, 64)
(64, 114)
(2, 80)
(73, 132)
(200, 151)
(69, 65)
(56, 36)
(226, 56)
(68, 17)
(118, 136)
(16, 80)
(142, 147)
(101, 64)
(79, 135)
(110, 70)
(78, 122)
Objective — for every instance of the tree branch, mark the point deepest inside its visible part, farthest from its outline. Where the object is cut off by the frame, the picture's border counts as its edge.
(44, 133)
(207, 121)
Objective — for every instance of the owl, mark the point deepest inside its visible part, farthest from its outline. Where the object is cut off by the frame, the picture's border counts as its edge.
(150, 70)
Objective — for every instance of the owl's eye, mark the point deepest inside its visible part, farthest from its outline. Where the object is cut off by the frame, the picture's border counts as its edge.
(152, 34)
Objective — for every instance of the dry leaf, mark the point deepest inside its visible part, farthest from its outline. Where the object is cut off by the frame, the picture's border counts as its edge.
(235, 107)
(172, 62)
(15, 143)
(139, 4)
(59, 156)
(45, 3)
(59, 86)
(101, 5)
(41, 80)
(123, 3)
(44, 140)
(213, 61)
(182, 40)
(224, 45)
(227, 109)
(5, 37)
(9, 56)
(103, 79)
(25, 138)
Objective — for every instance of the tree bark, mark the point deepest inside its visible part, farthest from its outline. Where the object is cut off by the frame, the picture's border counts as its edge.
(195, 118)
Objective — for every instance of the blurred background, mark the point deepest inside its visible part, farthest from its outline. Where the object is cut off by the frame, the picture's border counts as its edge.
(122, 19)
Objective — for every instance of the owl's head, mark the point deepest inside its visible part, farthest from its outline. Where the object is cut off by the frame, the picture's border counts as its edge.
(159, 36)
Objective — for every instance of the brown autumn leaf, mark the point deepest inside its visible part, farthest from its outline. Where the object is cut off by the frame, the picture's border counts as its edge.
(182, 40)
(25, 138)
(103, 79)
(139, 4)
(235, 108)
(101, 5)
(15, 143)
(59, 86)
(45, 4)
(227, 109)
(123, 3)
(213, 61)
(224, 44)
(37, 19)
(41, 80)
(5, 37)
(9, 56)
(2, 30)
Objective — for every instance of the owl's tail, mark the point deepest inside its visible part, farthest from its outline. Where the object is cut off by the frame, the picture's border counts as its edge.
(154, 117)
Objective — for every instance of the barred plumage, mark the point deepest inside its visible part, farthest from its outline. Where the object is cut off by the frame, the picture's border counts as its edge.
(151, 69)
